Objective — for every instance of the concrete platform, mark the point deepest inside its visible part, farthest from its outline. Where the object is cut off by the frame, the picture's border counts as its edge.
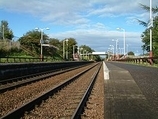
(123, 97)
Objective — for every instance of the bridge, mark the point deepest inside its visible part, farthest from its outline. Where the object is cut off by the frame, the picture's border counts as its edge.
(99, 53)
(96, 53)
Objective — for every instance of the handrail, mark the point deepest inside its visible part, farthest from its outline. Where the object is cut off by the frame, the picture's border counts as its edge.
(145, 60)
(28, 51)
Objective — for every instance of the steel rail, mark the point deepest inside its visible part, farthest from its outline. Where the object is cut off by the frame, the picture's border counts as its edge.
(32, 75)
(19, 112)
(79, 110)
(32, 78)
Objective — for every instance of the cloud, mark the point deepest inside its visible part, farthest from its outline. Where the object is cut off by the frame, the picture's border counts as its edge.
(58, 11)
(82, 16)
(99, 40)
(72, 11)
(117, 8)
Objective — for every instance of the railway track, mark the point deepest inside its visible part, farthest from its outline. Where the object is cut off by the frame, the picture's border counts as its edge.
(10, 84)
(72, 91)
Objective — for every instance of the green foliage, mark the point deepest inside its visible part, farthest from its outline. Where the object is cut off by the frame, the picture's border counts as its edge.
(97, 58)
(10, 52)
(57, 47)
(86, 49)
(31, 41)
(3, 52)
(146, 34)
(8, 33)
(146, 37)
(15, 52)
(145, 24)
(68, 43)
(154, 10)
(31, 37)
(130, 53)
(30, 45)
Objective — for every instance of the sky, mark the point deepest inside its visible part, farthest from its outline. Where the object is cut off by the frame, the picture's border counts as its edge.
(90, 22)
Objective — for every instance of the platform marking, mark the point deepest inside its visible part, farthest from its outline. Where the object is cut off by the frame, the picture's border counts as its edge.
(106, 71)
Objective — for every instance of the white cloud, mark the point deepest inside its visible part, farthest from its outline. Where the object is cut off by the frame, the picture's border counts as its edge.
(117, 7)
(72, 11)
(78, 13)
(58, 11)
(99, 40)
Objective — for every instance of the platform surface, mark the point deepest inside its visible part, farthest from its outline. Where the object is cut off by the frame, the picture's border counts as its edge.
(124, 98)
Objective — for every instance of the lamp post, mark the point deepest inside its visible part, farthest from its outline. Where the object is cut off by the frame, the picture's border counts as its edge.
(116, 41)
(41, 40)
(150, 26)
(87, 55)
(78, 50)
(84, 54)
(74, 49)
(3, 32)
(120, 51)
(127, 49)
(74, 56)
(64, 48)
(80, 53)
(67, 52)
(108, 53)
(112, 48)
(124, 40)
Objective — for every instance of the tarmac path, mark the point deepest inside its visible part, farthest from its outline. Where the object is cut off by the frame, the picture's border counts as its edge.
(131, 92)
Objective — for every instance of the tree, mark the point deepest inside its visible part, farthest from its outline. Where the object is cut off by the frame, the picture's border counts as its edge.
(154, 10)
(146, 35)
(31, 41)
(71, 42)
(57, 46)
(130, 53)
(86, 49)
(6, 32)
(147, 8)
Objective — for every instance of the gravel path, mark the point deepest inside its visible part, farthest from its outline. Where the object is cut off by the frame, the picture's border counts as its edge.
(95, 104)
(63, 104)
(15, 98)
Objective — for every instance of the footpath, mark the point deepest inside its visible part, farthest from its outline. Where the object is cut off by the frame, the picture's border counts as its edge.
(123, 97)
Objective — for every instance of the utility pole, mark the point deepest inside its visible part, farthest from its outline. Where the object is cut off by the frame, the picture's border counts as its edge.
(151, 25)
(3, 31)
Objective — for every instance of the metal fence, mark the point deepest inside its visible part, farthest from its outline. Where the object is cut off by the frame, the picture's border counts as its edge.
(145, 60)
